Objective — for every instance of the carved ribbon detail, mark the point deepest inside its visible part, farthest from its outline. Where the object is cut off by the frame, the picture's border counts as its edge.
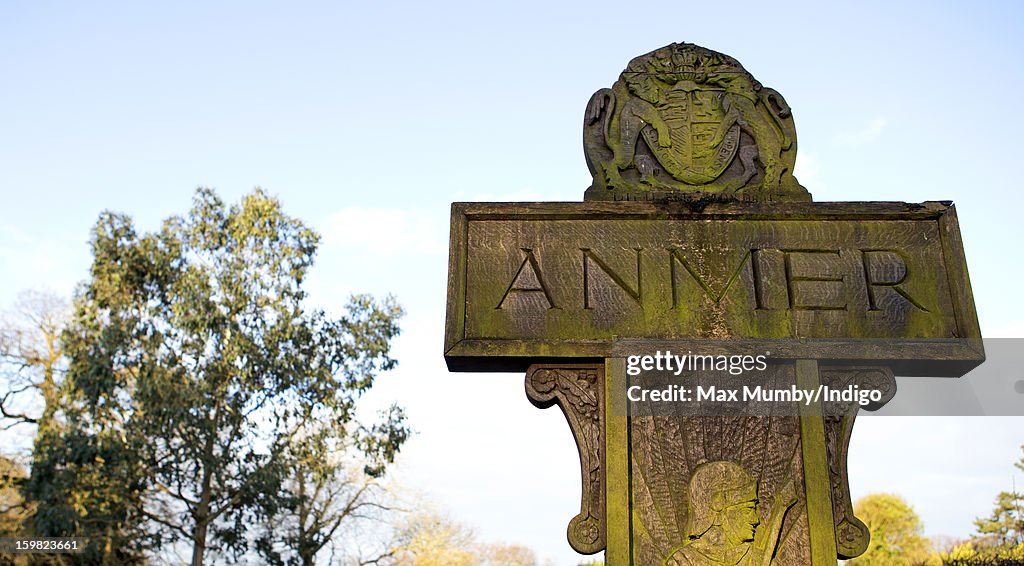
(852, 534)
(579, 391)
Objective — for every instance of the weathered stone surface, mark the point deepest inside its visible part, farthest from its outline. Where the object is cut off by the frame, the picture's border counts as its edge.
(852, 535)
(859, 281)
(578, 389)
(687, 122)
(720, 254)
(667, 456)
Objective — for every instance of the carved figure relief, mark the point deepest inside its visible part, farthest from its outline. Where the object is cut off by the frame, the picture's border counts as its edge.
(684, 121)
(578, 390)
(678, 463)
(724, 522)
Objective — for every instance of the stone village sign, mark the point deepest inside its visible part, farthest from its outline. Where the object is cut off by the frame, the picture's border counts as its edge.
(695, 237)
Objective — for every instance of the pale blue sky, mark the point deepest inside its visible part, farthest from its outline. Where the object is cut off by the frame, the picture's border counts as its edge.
(369, 118)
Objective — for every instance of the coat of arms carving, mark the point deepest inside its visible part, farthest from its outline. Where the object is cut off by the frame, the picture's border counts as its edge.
(686, 122)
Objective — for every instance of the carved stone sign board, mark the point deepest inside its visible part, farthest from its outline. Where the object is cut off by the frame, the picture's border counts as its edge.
(561, 280)
(696, 238)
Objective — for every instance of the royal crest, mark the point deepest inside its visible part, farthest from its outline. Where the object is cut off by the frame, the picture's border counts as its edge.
(687, 122)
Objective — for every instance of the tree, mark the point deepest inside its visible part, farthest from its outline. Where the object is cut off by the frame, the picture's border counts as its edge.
(13, 511)
(1000, 536)
(896, 538)
(194, 371)
(1005, 526)
(32, 364)
(32, 356)
(501, 554)
(975, 553)
(431, 539)
(333, 488)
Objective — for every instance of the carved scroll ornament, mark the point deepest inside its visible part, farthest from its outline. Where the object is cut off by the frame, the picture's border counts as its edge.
(852, 535)
(578, 390)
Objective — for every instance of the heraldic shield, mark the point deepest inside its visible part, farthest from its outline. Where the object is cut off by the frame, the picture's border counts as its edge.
(693, 118)
(685, 122)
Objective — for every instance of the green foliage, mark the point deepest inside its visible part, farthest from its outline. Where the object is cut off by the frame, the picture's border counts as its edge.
(330, 489)
(86, 481)
(975, 553)
(12, 506)
(896, 538)
(195, 371)
(1005, 526)
(1000, 538)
